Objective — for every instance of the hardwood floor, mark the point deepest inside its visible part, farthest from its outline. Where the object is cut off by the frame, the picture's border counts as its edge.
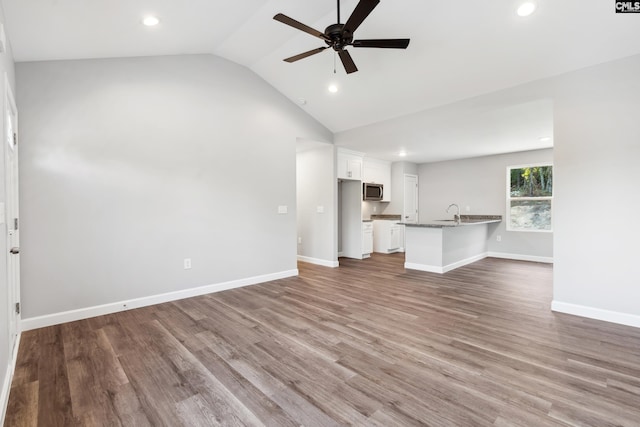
(367, 344)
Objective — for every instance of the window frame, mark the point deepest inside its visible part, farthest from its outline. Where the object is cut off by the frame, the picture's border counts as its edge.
(509, 199)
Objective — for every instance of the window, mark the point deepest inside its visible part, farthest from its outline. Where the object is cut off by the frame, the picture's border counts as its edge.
(529, 197)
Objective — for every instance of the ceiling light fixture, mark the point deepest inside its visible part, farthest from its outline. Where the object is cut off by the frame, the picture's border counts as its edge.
(150, 21)
(333, 88)
(526, 8)
(402, 154)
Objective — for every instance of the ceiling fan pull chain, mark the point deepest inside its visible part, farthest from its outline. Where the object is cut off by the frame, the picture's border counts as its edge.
(334, 62)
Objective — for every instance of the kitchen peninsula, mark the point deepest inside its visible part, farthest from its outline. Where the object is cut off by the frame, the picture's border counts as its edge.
(443, 245)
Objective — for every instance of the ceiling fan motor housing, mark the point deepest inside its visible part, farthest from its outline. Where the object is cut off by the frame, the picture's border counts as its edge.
(339, 39)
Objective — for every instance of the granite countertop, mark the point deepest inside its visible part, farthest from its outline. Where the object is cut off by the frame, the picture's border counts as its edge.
(367, 220)
(387, 217)
(464, 220)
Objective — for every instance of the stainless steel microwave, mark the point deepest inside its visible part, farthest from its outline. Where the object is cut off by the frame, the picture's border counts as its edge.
(371, 191)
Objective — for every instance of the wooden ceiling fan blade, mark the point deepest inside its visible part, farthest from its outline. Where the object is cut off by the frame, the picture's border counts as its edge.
(382, 43)
(360, 13)
(305, 54)
(347, 61)
(300, 26)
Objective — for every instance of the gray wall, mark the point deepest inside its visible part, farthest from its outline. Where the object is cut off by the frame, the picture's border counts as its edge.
(317, 186)
(130, 165)
(480, 184)
(597, 197)
(6, 66)
(398, 171)
(396, 205)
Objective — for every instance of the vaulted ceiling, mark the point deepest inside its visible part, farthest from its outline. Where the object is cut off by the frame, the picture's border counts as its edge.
(458, 49)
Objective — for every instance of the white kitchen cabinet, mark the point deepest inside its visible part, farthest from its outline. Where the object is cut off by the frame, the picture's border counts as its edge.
(349, 164)
(367, 239)
(378, 172)
(387, 236)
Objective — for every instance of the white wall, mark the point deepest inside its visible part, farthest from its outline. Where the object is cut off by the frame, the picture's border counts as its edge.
(6, 66)
(317, 187)
(480, 183)
(130, 165)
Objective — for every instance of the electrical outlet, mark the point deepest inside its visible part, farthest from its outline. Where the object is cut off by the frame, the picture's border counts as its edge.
(468, 208)
(320, 209)
(375, 208)
(498, 238)
(187, 263)
(283, 209)
(299, 240)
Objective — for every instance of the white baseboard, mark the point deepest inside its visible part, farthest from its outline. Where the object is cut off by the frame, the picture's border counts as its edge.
(317, 261)
(8, 378)
(596, 313)
(423, 267)
(100, 310)
(445, 268)
(520, 257)
(464, 262)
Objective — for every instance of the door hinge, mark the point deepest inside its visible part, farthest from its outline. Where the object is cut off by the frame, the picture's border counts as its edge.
(17, 308)
(15, 139)
(15, 223)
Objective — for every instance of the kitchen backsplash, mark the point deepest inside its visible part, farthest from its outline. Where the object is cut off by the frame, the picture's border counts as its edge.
(380, 209)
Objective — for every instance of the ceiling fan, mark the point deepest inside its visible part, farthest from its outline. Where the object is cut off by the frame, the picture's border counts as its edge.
(339, 36)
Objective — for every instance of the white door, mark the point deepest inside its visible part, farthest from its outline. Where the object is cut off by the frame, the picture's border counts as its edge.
(410, 212)
(11, 213)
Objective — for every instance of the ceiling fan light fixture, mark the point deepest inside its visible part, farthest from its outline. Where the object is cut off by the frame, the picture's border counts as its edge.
(150, 21)
(526, 8)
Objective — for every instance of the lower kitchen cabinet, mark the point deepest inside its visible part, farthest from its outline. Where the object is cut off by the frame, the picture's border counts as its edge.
(388, 236)
(367, 238)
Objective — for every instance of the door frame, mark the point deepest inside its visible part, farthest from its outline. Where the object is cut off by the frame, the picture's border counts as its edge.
(13, 276)
(416, 194)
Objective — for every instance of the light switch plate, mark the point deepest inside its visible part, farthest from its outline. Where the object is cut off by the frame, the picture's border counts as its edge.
(320, 209)
(283, 209)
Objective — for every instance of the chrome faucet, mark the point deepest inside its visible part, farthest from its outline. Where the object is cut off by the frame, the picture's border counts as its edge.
(457, 215)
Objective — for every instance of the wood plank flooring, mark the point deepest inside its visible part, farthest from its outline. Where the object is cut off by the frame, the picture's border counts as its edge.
(366, 344)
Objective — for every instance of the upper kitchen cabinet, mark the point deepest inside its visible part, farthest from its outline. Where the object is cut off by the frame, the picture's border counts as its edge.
(349, 164)
(378, 172)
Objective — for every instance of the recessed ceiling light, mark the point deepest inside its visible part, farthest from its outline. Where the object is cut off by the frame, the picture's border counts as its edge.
(526, 8)
(333, 88)
(544, 139)
(150, 21)
(402, 154)
(302, 101)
